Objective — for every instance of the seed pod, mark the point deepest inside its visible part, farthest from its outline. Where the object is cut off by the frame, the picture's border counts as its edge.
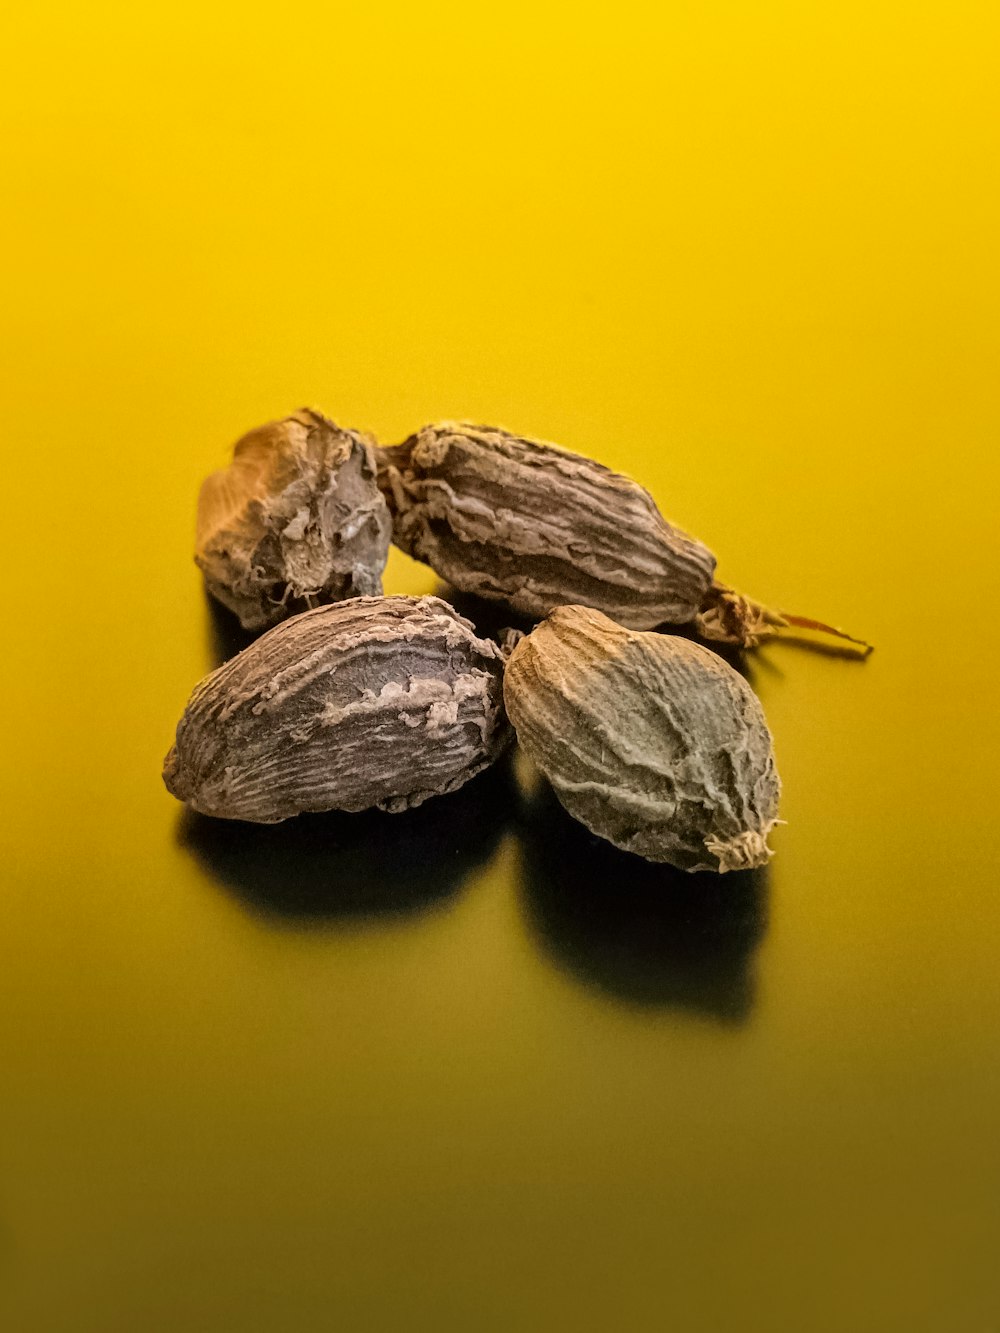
(376, 701)
(526, 523)
(652, 742)
(534, 526)
(295, 520)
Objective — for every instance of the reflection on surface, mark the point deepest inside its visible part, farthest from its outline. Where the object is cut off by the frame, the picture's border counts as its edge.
(646, 934)
(344, 867)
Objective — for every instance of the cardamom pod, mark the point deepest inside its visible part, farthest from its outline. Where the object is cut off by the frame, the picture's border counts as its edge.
(651, 741)
(526, 523)
(534, 526)
(295, 520)
(375, 701)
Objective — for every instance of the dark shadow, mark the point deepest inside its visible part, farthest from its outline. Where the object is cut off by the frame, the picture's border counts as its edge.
(226, 636)
(740, 658)
(644, 934)
(371, 866)
(489, 618)
(732, 655)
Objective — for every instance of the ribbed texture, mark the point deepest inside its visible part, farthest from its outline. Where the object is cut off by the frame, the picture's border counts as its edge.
(651, 741)
(296, 520)
(376, 701)
(529, 524)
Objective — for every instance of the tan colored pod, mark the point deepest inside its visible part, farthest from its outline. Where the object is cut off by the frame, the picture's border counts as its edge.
(651, 741)
(531, 525)
(294, 521)
(376, 701)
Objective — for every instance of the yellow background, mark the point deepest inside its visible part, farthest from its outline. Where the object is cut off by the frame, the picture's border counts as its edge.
(745, 251)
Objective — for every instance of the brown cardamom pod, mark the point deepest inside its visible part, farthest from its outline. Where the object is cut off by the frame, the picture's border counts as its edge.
(295, 520)
(375, 701)
(651, 741)
(526, 523)
(534, 526)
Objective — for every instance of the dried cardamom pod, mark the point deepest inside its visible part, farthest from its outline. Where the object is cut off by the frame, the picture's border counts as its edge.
(651, 741)
(534, 526)
(526, 523)
(295, 520)
(376, 701)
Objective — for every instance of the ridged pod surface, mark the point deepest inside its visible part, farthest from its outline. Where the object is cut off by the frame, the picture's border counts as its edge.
(534, 526)
(376, 701)
(651, 741)
(297, 519)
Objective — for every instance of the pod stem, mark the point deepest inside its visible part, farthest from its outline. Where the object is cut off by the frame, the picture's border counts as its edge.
(727, 616)
(508, 639)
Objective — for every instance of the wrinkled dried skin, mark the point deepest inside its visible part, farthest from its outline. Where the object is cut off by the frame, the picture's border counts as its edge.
(651, 741)
(534, 526)
(296, 520)
(377, 701)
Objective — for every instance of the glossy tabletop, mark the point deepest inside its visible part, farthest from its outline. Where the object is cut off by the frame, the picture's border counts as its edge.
(468, 1068)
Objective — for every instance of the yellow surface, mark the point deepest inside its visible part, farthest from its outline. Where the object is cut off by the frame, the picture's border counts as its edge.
(746, 251)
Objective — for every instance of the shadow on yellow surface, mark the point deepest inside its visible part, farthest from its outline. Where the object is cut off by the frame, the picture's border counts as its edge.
(642, 933)
(336, 867)
(226, 636)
